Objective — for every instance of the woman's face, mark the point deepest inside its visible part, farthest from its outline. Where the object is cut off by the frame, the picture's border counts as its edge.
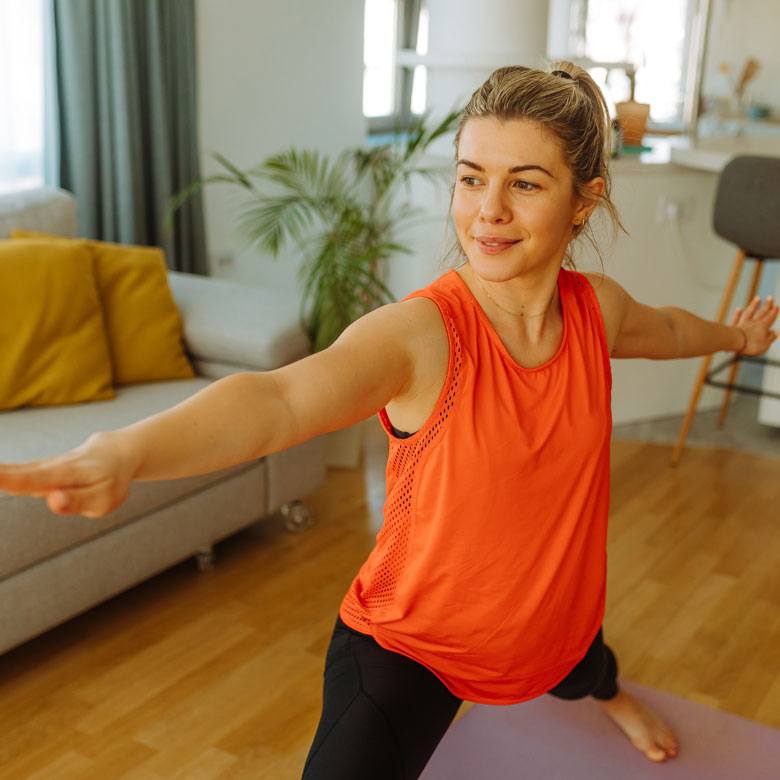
(513, 203)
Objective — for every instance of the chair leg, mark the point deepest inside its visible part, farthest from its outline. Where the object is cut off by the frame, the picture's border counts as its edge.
(724, 409)
(728, 294)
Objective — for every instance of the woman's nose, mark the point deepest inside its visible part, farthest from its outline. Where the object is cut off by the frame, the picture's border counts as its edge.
(494, 208)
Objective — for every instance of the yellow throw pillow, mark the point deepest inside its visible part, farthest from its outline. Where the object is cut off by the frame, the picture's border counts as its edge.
(142, 321)
(54, 348)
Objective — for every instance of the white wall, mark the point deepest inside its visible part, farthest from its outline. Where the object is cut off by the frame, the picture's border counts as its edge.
(272, 75)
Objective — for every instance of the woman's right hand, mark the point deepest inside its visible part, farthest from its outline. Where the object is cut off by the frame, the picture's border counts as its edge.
(91, 480)
(755, 322)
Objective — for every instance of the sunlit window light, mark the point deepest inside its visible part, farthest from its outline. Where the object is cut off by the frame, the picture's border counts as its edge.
(419, 89)
(21, 94)
(420, 77)
(380, 29)
(422, 33)
(652, 37)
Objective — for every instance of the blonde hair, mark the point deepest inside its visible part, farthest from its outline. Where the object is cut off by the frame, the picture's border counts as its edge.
(572, 110)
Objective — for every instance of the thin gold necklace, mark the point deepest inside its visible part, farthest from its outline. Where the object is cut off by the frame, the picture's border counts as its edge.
(507, 311)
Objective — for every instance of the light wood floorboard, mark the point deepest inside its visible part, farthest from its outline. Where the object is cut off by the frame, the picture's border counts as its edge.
(216, 675)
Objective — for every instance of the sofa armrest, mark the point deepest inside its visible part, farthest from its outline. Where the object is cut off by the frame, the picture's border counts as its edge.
(45, 209)
(235, 324)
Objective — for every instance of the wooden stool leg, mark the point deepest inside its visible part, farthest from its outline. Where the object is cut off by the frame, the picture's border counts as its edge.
(724, 410)
(728, 294)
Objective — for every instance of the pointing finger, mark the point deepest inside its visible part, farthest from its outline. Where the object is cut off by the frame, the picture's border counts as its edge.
(36, 478)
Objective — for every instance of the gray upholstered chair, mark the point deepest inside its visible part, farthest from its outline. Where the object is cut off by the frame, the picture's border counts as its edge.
(746, 213)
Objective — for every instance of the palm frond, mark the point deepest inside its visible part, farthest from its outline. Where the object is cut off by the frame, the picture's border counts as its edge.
(239, 175)
(421, 136)
(271, 222)
(307, 173)
(181, 197)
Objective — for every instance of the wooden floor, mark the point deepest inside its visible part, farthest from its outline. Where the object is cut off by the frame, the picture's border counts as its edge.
(216, 675)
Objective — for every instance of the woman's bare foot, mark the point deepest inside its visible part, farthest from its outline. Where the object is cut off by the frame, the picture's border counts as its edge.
(642, 726)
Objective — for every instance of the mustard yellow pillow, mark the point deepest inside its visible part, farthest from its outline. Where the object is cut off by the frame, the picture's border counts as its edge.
(54, 348)
(142, 322)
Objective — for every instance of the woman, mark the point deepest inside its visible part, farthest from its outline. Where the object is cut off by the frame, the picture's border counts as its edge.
(493, 383)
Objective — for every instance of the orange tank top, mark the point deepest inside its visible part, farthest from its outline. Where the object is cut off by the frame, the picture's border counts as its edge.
(490, 567)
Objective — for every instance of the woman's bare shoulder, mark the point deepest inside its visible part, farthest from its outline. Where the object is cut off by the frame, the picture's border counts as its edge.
(423, 331)
(412, 329)
(427, 344)
(610, 294)
(424, 313)
(613, 301)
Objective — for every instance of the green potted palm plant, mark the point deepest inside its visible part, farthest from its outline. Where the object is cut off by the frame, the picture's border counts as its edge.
(345, 215)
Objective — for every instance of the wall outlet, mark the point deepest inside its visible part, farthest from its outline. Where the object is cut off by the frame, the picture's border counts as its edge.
(660, 209)
(672, 209)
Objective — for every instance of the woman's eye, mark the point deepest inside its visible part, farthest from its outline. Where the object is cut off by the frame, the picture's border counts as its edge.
(526, 186)
(469, 181)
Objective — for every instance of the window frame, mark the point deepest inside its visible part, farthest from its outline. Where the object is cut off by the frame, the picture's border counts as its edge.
(401, 119)
(695, 12)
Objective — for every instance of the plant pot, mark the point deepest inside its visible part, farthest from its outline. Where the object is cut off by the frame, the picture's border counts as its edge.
(632, 118)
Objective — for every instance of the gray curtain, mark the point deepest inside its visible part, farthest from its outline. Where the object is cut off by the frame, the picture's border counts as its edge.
(127, 115)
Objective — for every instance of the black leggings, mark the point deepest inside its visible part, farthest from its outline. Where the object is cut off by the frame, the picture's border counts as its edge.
(383, 714)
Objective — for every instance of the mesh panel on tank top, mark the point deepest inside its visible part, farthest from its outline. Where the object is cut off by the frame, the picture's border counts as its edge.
(586, 294)
(403, 459)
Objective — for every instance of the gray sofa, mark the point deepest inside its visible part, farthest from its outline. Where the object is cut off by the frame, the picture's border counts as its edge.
(54, 567)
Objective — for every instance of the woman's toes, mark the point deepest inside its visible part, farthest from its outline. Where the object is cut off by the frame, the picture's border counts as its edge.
(653, 750)
(656, 754)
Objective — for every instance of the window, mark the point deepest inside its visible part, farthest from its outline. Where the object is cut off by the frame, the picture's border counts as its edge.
(21, 94)
(649, 35)
(393, 92)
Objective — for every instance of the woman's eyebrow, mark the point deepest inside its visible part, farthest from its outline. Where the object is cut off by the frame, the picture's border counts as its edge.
(516, 169)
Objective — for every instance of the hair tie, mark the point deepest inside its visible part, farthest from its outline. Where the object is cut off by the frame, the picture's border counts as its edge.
(562, 74)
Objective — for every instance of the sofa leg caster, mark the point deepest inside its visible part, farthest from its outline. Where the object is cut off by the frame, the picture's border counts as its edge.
(297, 517)
(205, 558)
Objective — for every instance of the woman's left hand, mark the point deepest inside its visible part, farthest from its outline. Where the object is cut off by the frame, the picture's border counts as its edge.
(755, 322)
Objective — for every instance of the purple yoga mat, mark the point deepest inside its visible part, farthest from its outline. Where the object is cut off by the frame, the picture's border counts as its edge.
(551, 739)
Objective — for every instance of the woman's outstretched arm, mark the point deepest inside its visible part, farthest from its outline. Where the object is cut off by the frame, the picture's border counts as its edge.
(635, 330)
(235, 419)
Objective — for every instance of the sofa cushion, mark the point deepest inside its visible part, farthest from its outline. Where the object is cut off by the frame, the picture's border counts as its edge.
(230, 323)
(54, 348)
(30, 531)
(142, 322)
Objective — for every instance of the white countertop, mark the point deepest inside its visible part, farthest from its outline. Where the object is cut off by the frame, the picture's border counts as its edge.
(702, 154)
(709, 153)
(712, 154)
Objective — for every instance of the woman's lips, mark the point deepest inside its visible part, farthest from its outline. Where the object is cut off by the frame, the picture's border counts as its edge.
(494, 246)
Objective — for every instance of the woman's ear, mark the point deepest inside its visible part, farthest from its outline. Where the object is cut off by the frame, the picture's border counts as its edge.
(594, 189)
